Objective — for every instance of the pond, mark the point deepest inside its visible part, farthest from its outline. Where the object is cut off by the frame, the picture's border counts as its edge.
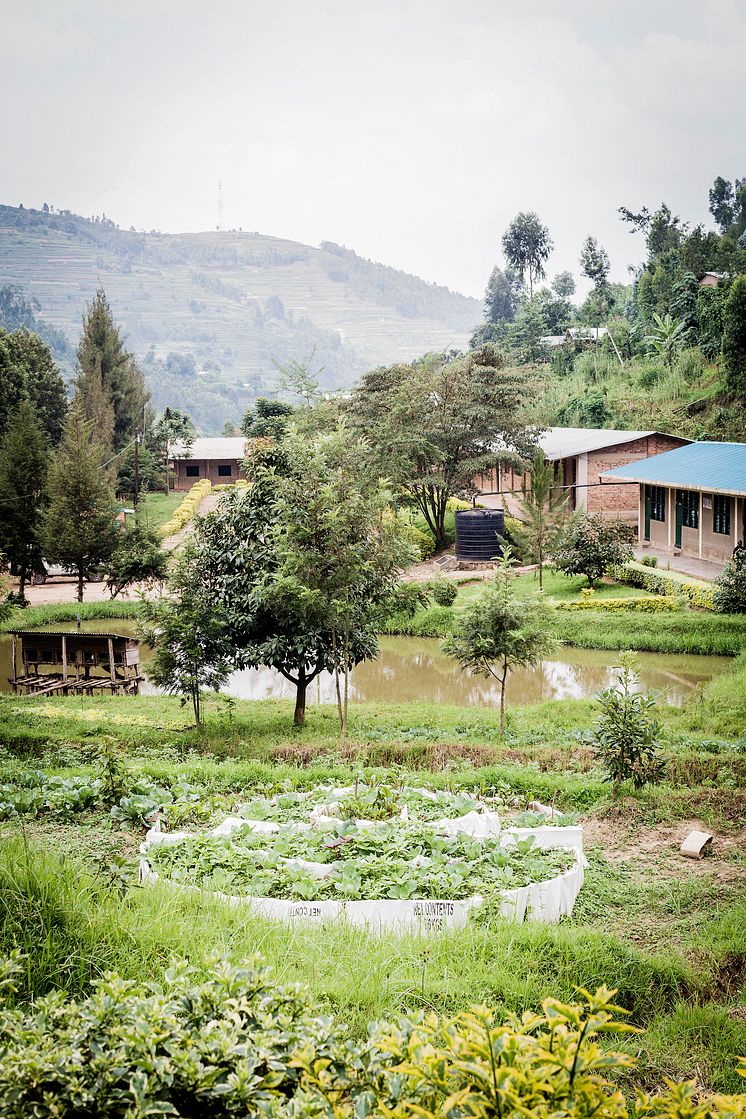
(411, 669)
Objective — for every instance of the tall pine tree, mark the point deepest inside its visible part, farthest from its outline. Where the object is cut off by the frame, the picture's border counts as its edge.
(24, 460)
(108, 372)
(80, 529)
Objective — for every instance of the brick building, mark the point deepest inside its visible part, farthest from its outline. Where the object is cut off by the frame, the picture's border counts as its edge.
(217, 459)
(581, 455)
(691, 501)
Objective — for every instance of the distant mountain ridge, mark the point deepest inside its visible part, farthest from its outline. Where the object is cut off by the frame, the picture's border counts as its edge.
(236, 303)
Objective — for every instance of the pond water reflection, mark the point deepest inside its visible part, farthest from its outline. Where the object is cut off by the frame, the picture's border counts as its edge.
(414, 669)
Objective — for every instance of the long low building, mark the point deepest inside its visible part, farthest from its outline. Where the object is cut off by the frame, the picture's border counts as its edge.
(580, 456)
(217, 459)
(691, 500)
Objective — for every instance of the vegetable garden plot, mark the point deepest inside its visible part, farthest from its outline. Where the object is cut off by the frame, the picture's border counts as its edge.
(393, 875)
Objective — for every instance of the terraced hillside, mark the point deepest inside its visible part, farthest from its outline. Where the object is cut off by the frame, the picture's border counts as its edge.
(237, 302)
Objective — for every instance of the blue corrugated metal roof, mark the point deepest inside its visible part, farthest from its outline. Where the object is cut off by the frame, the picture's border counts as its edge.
(712, 467)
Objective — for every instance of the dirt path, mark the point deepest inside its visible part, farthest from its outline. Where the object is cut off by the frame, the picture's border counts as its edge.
(65, 589)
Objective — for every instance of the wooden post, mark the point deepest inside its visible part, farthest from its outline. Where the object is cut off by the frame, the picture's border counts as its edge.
(64, 663)
(111, 666)
(13, 660)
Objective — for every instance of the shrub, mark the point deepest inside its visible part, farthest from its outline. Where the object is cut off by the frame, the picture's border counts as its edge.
(651, 604)
(625, 736)
(514, 536)
(592, 546)
(442, 591)
(670, 583)
(233, 1044)
(424, 542)
(239, 1044)
(729, 595)
(183, 514)
(649, 561)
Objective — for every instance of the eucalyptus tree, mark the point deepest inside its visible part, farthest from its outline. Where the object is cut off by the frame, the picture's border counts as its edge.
(438, 424)
(527, 247)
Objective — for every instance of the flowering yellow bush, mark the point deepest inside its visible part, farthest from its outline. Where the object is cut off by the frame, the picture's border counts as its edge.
(668, 583)
(183, 514)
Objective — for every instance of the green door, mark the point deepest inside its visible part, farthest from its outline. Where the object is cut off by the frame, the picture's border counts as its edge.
(679, 516)
(647, 512)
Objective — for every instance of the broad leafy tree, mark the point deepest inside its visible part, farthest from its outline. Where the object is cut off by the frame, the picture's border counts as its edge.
(24, 460)
(563, 285)
(594, 263)
(501, 630)
(729, 596)
(79, 529)
(527, 247)
(437, 424)
(137, 561)
(173, 428)
(591, 546)
(189, 636)
(267, 419)
(299, 565)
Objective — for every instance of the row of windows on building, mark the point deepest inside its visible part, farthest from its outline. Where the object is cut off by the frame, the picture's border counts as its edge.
(689, 500)
(225, 470)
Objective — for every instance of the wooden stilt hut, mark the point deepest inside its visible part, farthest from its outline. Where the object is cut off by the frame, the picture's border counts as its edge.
(74, 663)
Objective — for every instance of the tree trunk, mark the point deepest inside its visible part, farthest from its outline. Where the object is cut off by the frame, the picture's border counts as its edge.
(22, 581)
(336, 680)
(196, 705)
(300, 700)
(503, 682)
(81, 583)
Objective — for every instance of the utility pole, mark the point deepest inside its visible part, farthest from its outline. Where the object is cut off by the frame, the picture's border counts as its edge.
(136, 486)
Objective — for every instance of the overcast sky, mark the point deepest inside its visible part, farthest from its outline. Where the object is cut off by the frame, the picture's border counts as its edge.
(409, 130)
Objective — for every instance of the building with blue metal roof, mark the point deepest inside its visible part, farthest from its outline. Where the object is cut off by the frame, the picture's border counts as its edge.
(692, 500)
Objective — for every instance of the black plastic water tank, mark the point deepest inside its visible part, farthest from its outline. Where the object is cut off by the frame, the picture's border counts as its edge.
(477, 532)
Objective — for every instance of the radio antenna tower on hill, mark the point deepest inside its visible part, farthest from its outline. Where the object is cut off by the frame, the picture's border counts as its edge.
(220, 205)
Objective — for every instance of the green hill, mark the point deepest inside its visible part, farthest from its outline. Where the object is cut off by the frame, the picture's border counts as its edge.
(234, 302)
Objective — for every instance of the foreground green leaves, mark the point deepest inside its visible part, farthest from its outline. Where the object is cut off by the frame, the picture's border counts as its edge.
(238, 1045)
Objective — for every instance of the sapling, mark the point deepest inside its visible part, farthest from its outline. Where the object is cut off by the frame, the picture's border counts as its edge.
(501, 630)
(626, 734)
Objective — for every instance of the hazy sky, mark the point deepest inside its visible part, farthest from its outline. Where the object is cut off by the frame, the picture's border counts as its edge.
(411, 131)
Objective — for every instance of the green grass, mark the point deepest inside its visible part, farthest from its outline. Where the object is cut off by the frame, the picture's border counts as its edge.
(157, 508)
(65, 612)
(74, 927)
(566, 588)
(680, 631)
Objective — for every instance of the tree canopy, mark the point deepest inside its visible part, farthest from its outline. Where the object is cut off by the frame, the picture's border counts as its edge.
(527, 247)
(434, 426)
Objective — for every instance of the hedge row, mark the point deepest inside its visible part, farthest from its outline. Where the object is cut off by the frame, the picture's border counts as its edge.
(653, 604)
(668, 583)
(183, 514)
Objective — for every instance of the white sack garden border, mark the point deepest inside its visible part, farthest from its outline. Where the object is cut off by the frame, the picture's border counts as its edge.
(546, 901)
